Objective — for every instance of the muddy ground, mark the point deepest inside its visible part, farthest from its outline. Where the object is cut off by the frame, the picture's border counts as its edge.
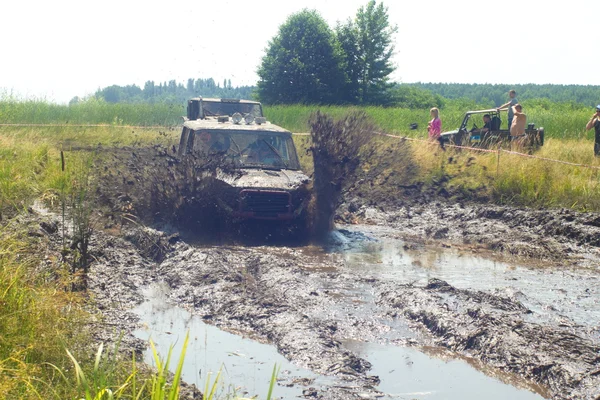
(292, 297)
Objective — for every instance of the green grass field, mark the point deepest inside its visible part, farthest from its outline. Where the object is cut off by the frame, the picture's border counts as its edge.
(565, 121)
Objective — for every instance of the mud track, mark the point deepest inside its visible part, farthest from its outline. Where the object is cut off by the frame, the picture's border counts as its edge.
(302, 300)
(298, 301)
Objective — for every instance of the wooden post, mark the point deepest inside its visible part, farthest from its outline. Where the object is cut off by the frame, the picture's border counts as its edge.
(498, 161)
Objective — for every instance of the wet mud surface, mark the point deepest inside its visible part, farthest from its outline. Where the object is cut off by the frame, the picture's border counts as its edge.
(417, 285)
(314, 304)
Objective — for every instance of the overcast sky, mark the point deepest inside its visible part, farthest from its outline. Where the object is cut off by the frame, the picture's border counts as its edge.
(62, 48)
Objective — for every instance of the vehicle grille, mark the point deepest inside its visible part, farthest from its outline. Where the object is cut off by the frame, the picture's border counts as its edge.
(265, 203)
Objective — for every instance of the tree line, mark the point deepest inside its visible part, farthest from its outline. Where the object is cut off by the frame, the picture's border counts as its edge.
(171, 92)
(496, 94)
(406, 95)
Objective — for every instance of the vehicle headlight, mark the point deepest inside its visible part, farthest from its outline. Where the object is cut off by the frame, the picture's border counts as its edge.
(248, 118)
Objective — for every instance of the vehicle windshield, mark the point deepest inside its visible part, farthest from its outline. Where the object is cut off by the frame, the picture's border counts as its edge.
(475, 119)
(214, 108)
(267, 150)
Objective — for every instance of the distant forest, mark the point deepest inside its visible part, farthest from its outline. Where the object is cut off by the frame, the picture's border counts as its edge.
(586, 95)
(409, 95)
(171, 92)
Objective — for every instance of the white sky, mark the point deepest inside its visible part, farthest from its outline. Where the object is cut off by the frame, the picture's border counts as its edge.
(62, 48)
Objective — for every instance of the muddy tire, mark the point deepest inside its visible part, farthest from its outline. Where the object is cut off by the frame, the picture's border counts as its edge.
(300, 228)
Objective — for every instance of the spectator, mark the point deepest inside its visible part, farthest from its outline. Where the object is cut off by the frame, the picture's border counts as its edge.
(594, 122)
(511, 103)
(434, 127)
(517, 128)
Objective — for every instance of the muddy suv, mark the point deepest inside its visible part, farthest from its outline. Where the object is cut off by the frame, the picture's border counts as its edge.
(261, 178)
(475, 137)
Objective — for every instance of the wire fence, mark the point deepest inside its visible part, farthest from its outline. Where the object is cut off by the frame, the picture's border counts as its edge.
(93, 126)
(473, 149)
(496, 151)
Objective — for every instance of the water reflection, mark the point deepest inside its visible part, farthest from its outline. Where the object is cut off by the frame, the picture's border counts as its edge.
(407, 373)
(243, 362)
(555, 296)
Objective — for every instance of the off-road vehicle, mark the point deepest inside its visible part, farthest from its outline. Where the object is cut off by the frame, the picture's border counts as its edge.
(261, 177)
(494, 136)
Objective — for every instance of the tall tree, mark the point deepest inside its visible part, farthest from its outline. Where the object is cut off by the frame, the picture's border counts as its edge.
(149, 90)
(303, 63)
(368, 45)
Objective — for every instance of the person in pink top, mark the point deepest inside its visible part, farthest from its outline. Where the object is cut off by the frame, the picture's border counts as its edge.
(434, 128)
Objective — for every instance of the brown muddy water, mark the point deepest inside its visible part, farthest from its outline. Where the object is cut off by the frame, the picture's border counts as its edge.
(402, 363)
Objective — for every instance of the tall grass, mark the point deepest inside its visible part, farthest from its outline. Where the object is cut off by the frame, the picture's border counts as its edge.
(81, 138)
(509, 179)
(36, 317)
(92, 111)
(559, 121)
(516, 179)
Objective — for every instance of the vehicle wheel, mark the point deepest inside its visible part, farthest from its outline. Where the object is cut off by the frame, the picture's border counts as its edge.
(299, 229)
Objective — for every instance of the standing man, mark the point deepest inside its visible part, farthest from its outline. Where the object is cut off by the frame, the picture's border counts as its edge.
(511, 103)
(595, 123)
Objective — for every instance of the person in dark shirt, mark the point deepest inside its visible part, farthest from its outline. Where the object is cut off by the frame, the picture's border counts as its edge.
(594, 122)
(487, 125)
(509, 106)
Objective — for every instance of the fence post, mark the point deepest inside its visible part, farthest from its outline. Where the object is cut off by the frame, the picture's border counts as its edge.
(498, 161)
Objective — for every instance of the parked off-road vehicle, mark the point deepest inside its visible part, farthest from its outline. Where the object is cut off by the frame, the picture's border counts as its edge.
(494, 136)
(261, 177)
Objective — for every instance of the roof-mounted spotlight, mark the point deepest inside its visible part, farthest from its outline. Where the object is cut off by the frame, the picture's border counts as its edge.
(237, 118)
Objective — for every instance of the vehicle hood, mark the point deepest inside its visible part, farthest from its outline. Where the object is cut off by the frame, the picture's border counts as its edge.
(265, 178)
(454, 132)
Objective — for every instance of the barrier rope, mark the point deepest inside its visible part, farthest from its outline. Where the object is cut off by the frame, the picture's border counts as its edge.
(432, 143)
(92, 126)
(476, 149)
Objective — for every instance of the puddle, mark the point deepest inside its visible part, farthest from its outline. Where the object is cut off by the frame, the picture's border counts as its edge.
(407, 373)
(554, 295)
(244, 362)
